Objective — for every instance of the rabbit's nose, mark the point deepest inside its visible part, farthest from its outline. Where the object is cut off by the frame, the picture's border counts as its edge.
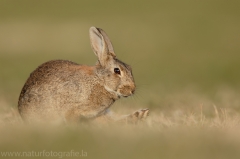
(132, 91)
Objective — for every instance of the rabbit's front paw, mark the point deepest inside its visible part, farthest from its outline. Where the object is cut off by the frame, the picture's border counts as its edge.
(141, 114)
(138, 115)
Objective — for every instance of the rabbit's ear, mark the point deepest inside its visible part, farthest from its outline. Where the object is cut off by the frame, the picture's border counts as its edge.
(101, 44)
(107, 40)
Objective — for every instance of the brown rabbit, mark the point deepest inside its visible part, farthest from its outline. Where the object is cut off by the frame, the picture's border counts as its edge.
(65, 90)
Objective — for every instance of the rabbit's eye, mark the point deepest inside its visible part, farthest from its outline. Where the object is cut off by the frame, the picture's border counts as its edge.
(117, 71)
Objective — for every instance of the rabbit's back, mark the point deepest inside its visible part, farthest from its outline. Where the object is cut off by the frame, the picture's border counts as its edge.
(47, 73)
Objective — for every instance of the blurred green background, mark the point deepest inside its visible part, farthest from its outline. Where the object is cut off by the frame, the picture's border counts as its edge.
(171, 44)
(182, 54)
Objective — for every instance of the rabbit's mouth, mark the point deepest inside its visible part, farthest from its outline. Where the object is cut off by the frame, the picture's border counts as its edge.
(122, 95)
(125, 96)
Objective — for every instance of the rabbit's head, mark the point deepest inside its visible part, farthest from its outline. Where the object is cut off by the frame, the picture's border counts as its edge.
(116, 75)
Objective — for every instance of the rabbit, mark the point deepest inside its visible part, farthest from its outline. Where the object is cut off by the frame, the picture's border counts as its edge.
(65, 90)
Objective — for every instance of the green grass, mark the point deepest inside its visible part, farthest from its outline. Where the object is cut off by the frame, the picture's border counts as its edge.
(185, 59)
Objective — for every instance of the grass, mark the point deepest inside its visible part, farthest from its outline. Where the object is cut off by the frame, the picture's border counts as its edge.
(185, 59)
(180, 127)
